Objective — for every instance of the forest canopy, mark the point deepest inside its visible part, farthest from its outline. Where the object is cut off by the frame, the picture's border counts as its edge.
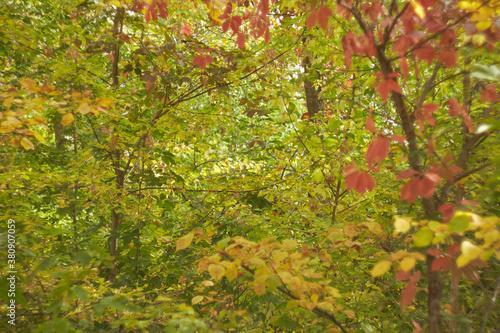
(250, 166)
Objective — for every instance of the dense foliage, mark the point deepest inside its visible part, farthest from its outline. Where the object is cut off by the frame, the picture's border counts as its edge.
(251, 166)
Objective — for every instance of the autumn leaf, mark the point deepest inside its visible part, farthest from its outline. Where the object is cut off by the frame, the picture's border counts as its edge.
(324, 14)
(407, 264)
(312, 19)
(490, 94)
(84, 108)
(440, 263)
(408, 294)
(370, 125)
(448, 58)
(378, 149)
(423, 237)
(184, 242)
(386, 86)
(186, 29)
(401, 225)
(359, 181)
(29, 85)
(196, 300)
(454, 107)
(381, 268)
(240, 40)
(216, 271)
(67, 119)
(27, 144)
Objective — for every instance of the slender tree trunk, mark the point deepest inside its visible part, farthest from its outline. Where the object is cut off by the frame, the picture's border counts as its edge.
(313, 100)
(119, 173)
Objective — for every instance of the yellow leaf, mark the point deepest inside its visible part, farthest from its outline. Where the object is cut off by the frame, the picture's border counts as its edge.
(483, 25)
(462, 261)
(419, 9)
(184, 242)
(27, 144)
(116, 3)
(326, 257)
(259, 287)
(401, 225)
(380, 268)
(469, 250)
(196, 300)
(105, 102)
(208, 283)
(28, 84)
(216, 271)
(38, 137)
(84, 108)
(350, 314)
(67, 119)
(289, 244)
(231, 271)
(407, 263)
(334, 292)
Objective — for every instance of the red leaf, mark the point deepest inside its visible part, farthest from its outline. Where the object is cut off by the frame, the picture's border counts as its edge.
(469, 202)
(267, 35)
(324, 15)
(386, 86)
(408, 294)
(426, 187)
(409, 190)
(453, 249)
(401, 46)
(343, 11)
(447, 210)
(235, 23)
(312, 19)
(398, 138)
(378, 149)
(453, 107)
(448, 58)
(346, 45)
(225, 25)
(466, 119)
(227, 11)
(401, 275)
(407, 174)
(432, 176)
(440, 263)
(240, 40)
(434, 252)
(416, 277)
(403, 64)
(186, 29)
(370, 125)
(490, 94)
(426, 53)
(359, 181)
(428, 109)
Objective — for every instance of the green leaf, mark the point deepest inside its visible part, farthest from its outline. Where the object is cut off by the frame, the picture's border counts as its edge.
(423, 237)
(459, 223)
